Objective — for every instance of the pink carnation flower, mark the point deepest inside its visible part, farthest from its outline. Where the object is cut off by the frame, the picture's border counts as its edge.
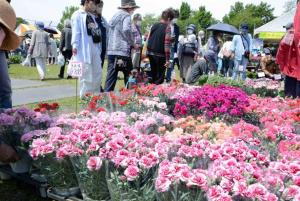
(132, 172)
(94, 163)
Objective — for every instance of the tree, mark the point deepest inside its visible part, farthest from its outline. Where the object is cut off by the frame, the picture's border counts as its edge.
(203, 18)
(20, 21)
(289, 5)
(254, 15)
(148, 21)
(67, 14)
(185, 11)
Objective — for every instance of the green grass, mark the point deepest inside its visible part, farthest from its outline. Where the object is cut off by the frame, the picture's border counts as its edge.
(30, 73)
(17, 71)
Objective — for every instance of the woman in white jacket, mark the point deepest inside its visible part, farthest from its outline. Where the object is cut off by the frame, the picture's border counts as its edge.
(86, 43)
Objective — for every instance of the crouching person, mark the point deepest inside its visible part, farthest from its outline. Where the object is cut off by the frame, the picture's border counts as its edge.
(197, 70)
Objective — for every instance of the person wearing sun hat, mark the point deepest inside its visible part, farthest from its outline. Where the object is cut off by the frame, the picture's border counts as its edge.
(8, 41)
(120, 43)
(39, 48)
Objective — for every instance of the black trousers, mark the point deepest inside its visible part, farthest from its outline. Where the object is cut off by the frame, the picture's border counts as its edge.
(67, 55)
(290, 87)
(158, 69)
(298, 89)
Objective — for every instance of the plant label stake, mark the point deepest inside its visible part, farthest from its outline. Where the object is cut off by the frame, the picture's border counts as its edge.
(75, 69)
(277, 77)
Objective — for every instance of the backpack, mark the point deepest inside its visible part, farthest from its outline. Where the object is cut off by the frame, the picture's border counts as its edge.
(189, 49)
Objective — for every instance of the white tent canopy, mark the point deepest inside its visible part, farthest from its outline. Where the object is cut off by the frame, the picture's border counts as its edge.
(276, 25)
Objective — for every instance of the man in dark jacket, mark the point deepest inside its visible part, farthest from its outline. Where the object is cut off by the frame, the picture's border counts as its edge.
(159, 46)
(65, 46)
(175, 36)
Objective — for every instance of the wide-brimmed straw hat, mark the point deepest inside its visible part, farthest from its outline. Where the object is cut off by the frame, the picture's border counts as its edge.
(8, 22)
(128, 4)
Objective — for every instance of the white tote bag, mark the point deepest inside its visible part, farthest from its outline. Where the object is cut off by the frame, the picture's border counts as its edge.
(75, 68)
(27, 61)
(60, 60)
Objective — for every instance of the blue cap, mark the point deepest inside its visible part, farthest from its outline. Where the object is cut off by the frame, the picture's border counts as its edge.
(40, 25)
(192, 27)
(244, 26)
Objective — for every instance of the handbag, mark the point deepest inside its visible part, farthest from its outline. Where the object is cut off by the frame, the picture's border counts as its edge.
(93, 30)
(247, 53)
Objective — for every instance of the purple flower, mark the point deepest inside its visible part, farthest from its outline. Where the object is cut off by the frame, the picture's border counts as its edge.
(30, 135)
(6, 120)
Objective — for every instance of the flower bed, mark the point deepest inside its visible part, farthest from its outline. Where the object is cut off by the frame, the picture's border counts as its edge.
(177, 142)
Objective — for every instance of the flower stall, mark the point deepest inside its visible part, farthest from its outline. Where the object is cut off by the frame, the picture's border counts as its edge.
(169, 142)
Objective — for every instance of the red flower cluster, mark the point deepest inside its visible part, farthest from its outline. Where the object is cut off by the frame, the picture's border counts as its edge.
(47, 107)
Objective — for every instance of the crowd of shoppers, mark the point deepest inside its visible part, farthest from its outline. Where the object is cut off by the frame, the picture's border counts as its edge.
(88, 35)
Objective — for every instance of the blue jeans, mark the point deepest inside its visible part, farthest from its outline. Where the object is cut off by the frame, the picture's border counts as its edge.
(236, 71)
(220, 64)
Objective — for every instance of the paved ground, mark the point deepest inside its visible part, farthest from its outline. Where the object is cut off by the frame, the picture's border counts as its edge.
(27, 91)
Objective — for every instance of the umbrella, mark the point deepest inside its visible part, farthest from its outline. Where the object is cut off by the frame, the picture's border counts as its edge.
(225, 28)
(50, 30)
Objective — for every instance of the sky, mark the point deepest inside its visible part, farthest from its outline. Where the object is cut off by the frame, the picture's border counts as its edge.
(51, 10)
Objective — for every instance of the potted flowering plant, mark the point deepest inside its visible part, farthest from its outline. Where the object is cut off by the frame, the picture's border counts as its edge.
(53, 163)
(17, 122)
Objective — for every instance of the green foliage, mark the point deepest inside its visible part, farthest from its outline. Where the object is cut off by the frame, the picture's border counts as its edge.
(217, 81)
(20, 21)
(148, 21)
(185, 11)
(141, 189)
(67, 14)
(59, 173)
(254, 15)
(92, 184)
(200, 17)
(203, 18)
(251, 75)
(15, 59)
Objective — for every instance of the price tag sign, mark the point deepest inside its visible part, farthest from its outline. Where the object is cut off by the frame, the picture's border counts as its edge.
(241, 68)
(277, 77)
(261, 74)
(75, 69)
